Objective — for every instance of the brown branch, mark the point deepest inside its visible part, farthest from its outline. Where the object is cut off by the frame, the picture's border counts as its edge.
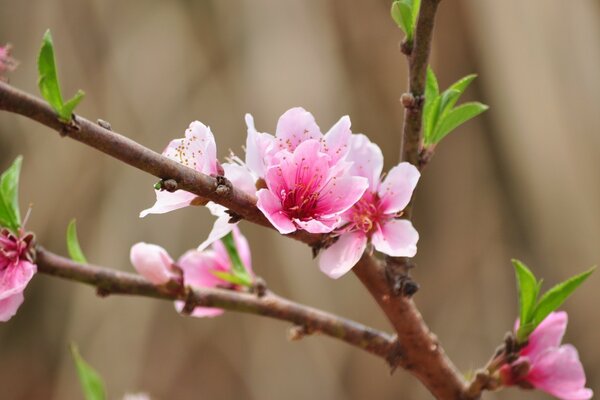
(418, 59)
(140, 157)
(108, 282)
(420, 353)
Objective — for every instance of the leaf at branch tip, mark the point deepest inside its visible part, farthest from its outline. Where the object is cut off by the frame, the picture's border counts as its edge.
(69, 106)
(49, 84)
(90, 380)
(458, 116)
(461, 85)
(527, 287)
(10, 215)
(402, 15)
(431, 106)
(554, 297)
(73, 244)
(48, 77)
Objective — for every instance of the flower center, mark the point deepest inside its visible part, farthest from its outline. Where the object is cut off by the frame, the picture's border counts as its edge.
(365, 215)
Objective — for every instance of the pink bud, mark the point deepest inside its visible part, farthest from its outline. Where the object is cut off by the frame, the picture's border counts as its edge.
(152, 262)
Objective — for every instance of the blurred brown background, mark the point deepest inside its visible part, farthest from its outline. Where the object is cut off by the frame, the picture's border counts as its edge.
(521, 181)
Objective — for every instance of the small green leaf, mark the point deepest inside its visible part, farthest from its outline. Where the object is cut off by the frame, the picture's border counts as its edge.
(48, 81)
(241, 280)
(416, 7)
(73, 243)
(431, 121)
(10, 215)
(457, 117)
(91, 382)
(449, 98)
(432, 92)
(461, 85)
(402, 15)
(48, 77)
(67, 110)
(237, 265)
(527, 287)
(554, 297)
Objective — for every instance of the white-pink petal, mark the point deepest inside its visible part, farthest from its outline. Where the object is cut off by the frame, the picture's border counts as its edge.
(396, 238)
(294, 127)
(9, 306)
(397, 188)
(167, 201)
(337, 139)
(367, 160)
(258, 147)
(340, 257)
(152, 262)
(14, 278)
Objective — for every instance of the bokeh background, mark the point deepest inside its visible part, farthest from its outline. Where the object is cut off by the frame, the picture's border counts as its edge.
(520, 181)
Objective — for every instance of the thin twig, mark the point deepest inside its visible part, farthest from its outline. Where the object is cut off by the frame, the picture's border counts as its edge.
(108, 282)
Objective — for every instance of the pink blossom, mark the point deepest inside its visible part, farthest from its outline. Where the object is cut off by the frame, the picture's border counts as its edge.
(197, 267)
(375, 217)
(153, 263)
(294, 127)
(305, 191)
(16, 270)
(7, 63)
(196, 150)
(553, 368)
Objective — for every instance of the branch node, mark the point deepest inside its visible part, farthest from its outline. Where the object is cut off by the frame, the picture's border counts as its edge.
(233, 217)
(104, 124)
(190, 302)
(102, 292)
(406, 47)
(68, 127)
(170, 185)
(224, 186)
(259, 287)
(407, 100)
(395, 356)
(298, 332)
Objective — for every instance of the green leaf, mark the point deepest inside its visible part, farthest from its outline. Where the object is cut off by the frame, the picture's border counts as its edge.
(554, 297)
(528, 288)
(457, 117)
(242, 280)
(432, 92)
(237, 265)
(449, 98)
(48, 81)
(416, 6)
(402, 15)
(461, 85)
(67, 110)
(10, 215)
(73, 243)
(48, 77)
(431, 121)
(91, 382)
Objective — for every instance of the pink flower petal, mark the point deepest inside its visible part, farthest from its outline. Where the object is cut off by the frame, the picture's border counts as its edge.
(198, 266)
(548, 334)
(341, 193)
(197, 150)
(167, 201)
(220, 229)
(258, 146)
(240, 178)
(337, 140)
(396, 238)
(367, 160)
(15, 277)
(559, 372)
(9, 306)
(271, 208)
(243, 248)
(340, 257)
(200, 312)
(295, 126)
(322, 225)
(397, 188)
(152, 262)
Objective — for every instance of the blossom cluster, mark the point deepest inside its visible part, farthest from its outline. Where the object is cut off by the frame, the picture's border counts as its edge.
(545, 364)
(306, 180)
